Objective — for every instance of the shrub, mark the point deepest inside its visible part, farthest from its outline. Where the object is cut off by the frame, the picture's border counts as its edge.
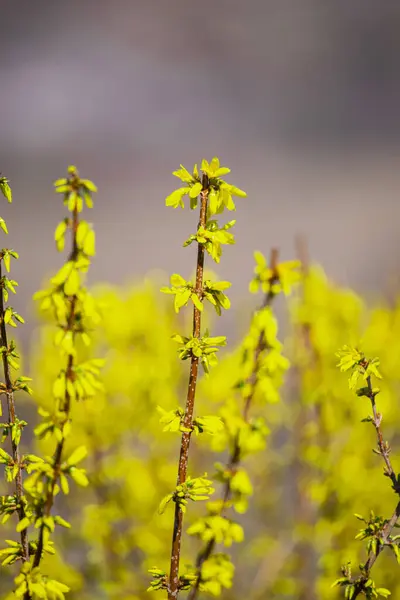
(291, 465)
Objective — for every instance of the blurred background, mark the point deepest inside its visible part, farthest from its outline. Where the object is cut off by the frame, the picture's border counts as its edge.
(300, 99)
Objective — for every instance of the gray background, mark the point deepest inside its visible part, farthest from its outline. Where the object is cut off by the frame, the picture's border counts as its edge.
(301, 98)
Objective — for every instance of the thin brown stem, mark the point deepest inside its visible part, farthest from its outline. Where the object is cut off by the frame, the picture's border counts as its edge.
(387, 530)
(384, 451)
(235, 456)
(173, 584)
(383, 447)
(19, 490)
(65, 408)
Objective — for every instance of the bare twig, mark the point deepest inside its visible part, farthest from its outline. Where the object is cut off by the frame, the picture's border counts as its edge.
(384, 451)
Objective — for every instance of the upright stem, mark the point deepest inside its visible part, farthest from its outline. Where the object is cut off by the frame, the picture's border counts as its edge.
(19, 491)
(65, 408)
(235, 453)
(389, 472)
(173, 586)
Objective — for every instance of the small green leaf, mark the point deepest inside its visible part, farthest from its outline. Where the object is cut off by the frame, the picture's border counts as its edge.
(3, 225)
(23, 524)
(383, 592)
(177, 280)
(196, 301)
(164, 503)
(89, 185)
(195, 190)
(7, 261)
(5, 189)
(77, 455)
(79, 476)
(184, 175)
(176, 198)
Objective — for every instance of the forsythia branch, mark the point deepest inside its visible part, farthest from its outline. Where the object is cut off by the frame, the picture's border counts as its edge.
(15, 426)
(173, 587)
(377, 531)
(215, 196)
